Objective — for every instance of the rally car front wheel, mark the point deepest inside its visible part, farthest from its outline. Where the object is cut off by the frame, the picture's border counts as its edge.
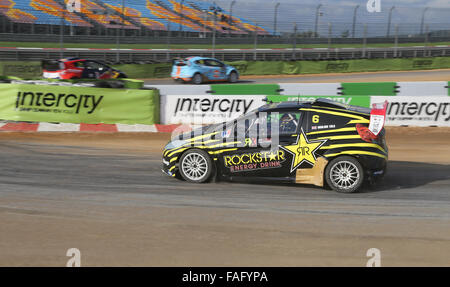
(233, 77)
(196, 166)
(344, 174)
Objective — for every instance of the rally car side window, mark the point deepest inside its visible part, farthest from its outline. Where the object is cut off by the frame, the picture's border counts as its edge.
(287, 122)
(213, 63)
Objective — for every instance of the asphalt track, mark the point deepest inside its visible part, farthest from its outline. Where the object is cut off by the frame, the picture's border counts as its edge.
(105, 195)
(422, 75)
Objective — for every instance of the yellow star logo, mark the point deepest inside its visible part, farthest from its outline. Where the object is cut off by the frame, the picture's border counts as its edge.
(303, 150)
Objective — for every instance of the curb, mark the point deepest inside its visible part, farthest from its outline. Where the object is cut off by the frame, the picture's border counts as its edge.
(90, 128)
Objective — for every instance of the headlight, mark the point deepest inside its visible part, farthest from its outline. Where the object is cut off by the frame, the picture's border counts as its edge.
(175, 144)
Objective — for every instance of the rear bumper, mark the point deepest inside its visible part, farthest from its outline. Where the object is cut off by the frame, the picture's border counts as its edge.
(180, 79)
(376, 170)
(51, 75)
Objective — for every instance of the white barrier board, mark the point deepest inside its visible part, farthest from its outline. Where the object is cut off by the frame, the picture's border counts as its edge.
(206, 109)
(422, 89)
(416, 111)
(181, 89)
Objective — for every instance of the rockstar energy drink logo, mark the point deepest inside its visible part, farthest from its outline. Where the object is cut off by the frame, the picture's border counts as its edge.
(254, 161)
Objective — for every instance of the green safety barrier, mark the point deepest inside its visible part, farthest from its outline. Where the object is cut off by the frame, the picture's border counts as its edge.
(32, 69)
(239, 89)
(22, 69)
(127, 83)
(339, 66)
(300, 67)
(369, 89)
(68, 104)
(356, 100)
(145, 71)
(9, 78)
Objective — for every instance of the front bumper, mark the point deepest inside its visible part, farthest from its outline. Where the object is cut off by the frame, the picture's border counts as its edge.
(168, 167)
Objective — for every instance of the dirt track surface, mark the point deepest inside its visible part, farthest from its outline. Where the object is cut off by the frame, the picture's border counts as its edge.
(105, 195)
(396, 76)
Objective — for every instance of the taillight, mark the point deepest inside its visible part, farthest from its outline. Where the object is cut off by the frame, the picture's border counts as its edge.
(365, 134)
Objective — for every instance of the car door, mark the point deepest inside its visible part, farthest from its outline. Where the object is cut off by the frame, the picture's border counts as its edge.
(216, 70)
(260, 154)
(90, 70)
(96, 70)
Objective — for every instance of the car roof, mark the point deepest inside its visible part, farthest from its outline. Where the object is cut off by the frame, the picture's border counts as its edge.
(318, 103)
(196, 58)
(73, 59)
(284, 105)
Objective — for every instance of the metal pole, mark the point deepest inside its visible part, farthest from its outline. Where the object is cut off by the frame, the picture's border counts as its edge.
(389, 22)
(364, 41)
(317, 20)
(61, 36)
(426, 41)
(118, 33)
(396, 41)
(255, 46)
(168, 39)
(354, 21)
(204, 23)
(275, 19)
(181, 15)
(423, 20)
(230, 21)
(214, 32)
(329, 39)
(294, 47)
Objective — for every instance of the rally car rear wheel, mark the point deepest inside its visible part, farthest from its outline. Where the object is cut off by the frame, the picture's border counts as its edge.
(196, 166)
(197, 79)
(344, 174)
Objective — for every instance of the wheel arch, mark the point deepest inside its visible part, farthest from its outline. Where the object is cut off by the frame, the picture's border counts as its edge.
(215, 164)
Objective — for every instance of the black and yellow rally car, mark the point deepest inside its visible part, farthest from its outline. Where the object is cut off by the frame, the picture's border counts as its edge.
(323, 143)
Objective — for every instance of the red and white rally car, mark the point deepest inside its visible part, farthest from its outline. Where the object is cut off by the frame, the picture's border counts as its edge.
(75, 68)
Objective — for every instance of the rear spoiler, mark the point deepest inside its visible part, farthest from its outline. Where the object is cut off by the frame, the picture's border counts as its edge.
(377, 117)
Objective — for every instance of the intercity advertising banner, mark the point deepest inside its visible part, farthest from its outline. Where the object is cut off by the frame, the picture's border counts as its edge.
(416, 111)
(206, 109)
(362, 101)
(68, 104)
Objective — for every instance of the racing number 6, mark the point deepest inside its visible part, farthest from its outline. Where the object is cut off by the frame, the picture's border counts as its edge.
(315, 119)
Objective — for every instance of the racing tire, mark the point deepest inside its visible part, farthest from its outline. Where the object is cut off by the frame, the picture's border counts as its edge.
(197, 79)
(344, 174)
(233, 78)
(196, 166)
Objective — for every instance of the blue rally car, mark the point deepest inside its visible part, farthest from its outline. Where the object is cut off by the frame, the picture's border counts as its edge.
(198, 70)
